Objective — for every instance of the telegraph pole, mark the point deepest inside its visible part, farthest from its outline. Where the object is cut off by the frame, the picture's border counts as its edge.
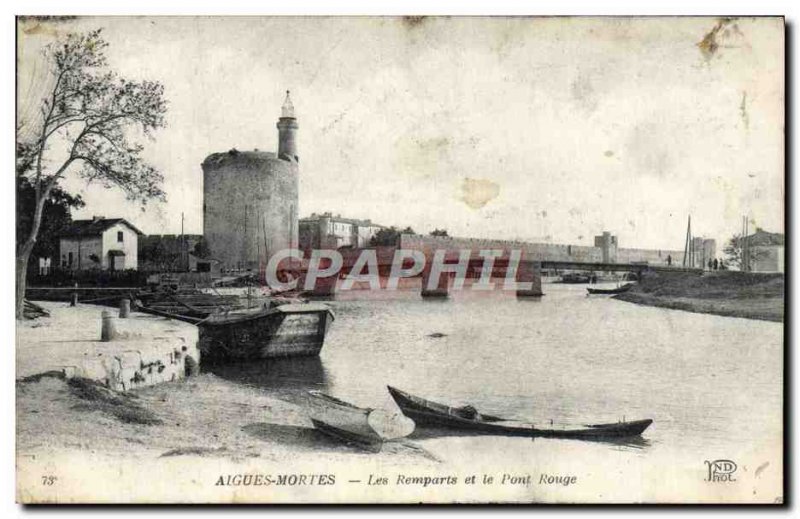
(746, 244)
(687, 245)
(184, 258)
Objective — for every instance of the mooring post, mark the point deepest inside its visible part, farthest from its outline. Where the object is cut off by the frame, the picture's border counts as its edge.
(124, 308)
(107, 330)
(324, 286)
(74, 301)
(441, 288)
(529, 272)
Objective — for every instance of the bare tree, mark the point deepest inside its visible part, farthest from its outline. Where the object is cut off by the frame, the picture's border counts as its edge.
(88, 112)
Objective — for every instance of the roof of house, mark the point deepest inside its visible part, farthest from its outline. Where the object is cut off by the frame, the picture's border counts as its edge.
(339, 219)
(94, 227)
(764, 238)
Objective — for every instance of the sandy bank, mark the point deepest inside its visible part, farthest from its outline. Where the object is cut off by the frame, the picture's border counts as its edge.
(203, 416)
(728, 293)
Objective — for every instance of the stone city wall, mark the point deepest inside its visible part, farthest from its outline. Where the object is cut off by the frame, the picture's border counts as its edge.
(539, 251)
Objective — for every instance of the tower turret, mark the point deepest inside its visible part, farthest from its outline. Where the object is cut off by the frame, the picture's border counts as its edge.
(287, 130)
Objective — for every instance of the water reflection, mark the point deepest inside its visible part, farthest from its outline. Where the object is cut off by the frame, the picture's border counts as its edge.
(290, 374)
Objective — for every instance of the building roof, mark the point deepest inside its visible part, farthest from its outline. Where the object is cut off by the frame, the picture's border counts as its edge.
(762, 238)
(287, 110)
(94, 227)
(216, 159)
(338, 219)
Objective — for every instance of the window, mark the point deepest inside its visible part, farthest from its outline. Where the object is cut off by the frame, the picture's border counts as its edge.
(119, 236)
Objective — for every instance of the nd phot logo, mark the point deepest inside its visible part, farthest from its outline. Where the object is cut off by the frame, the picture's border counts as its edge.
(720, 471)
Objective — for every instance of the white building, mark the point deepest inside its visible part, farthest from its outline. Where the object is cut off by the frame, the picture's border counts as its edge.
(99, 243)
(328, 231)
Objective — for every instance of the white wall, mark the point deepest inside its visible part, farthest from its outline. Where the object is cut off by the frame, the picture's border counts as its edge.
(81, 249)
(129, 245)
(365, 234)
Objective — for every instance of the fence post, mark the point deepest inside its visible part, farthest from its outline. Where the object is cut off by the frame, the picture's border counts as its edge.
(107, 330)
(124, 308)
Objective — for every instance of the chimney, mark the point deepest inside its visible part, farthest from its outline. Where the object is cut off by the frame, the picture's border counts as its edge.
(96, 218)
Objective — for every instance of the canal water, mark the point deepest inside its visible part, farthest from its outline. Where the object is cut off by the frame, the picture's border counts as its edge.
(713, 385)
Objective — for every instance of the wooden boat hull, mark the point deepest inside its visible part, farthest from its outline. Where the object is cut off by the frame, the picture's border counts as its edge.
(575, 279)
(427, 413)
(342, 420)
(364, 427)
(283, 331)
(618, 290)
(347, 437)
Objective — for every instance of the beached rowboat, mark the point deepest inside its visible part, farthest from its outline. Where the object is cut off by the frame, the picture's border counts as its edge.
(427, 413)
(364, 427)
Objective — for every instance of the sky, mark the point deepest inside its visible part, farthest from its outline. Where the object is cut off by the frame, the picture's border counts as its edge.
(545, 129)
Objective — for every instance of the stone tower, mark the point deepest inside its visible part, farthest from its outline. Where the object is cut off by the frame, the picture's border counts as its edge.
(250, 200)
(287, 130)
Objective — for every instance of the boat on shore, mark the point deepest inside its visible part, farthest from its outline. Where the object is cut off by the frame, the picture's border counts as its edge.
(426, 413)
(363, 427)
(618, 290)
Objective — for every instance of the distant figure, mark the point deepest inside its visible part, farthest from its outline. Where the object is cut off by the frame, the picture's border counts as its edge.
(722, 265)
(710, 265)
(716, 264)
(669, 260)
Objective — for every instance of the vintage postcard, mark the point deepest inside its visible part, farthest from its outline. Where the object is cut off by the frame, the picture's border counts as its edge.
(400, 259)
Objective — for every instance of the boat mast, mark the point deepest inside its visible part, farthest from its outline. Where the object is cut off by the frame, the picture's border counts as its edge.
(184, 257)
(244, 248)
(266, 249)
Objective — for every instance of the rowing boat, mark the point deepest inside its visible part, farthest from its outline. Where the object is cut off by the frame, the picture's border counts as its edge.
(364, 427)
(467, 418)
(617, 290)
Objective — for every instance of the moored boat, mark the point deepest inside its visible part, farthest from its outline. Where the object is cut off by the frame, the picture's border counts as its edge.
(281, 331)
(364, 427)
(617, 290)
(467, 418)
(575, 278)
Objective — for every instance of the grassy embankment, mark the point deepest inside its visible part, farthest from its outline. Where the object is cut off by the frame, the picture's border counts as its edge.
(729, 293)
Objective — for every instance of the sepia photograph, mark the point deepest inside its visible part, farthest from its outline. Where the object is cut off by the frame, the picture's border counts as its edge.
(400, 260)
